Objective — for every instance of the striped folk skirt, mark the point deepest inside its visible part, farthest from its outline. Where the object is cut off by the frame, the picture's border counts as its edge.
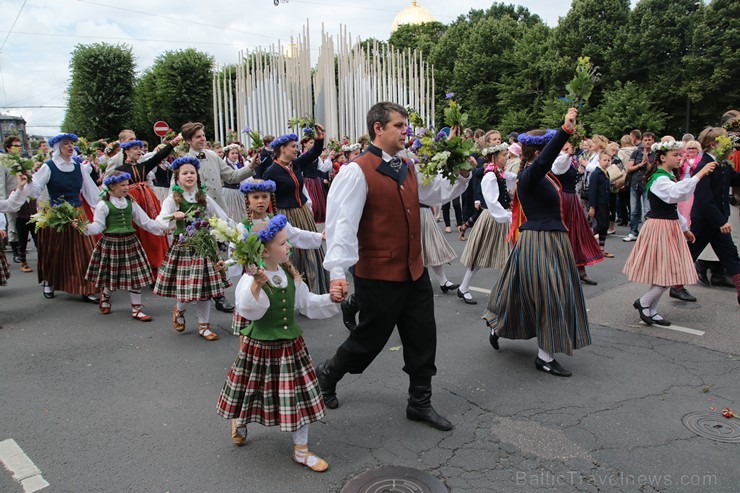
(187, 277)
(435, 249)
(63, 259)
(119, 262)
(586, 249)
(661, 255)
(539, 294)
(235, 207)
(156, 247)
(486, 247)
(317, 192)
(310, 263)
(4, 270)
(272, 383)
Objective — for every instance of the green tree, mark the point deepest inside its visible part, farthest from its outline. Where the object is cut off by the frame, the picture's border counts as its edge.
(178, 90)
(422, 37)
(101, 90)
(624, 107)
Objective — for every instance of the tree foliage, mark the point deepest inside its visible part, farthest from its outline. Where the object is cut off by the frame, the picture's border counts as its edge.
(422, 37)
(101, 90)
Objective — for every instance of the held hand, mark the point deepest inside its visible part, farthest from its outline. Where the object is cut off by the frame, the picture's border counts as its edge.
(464, 173)
(725, 229)
(3, 234)
(689, 236)
(178, 216)
(454, 132)
(570, 120)
(22, 180)
(74, 224)
(592, 212)
(323, 235)
(260, 278)
(706, 169)
(338, 288)
(320, 134)
(176, 140)
(219, 265)
(473, 162)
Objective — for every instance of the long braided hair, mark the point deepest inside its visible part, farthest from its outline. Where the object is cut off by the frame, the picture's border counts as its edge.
(200, 196)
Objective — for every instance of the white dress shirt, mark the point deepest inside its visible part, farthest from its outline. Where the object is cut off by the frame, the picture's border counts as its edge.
(672, 192)
(41, 179)
(15, 201)
(345, 205)
(137, 213)
(489, 189)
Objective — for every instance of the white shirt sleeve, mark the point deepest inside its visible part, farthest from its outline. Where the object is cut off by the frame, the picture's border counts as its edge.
(3, 222)
(40, 178)
(510, 181)
(440, 191)
(15, 201)
(562, 163)
(316, 306)
(99, 220)
(325, 165)
(305, 240)
(489, 188)
(169, 207)
(145, 222)
(683, 223)
(90, 190)
(245, 303)
(344, 207)
(672, 192)
(593, 163)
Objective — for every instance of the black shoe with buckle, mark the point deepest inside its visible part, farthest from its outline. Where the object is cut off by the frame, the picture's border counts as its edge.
(223, 305)
(493, 339)
(91, 298)
(553, 367)
(660, 321)
(682, 295)
(449, 286)
(640, 308)
(48, 290)
(587, 280)
(466, 297)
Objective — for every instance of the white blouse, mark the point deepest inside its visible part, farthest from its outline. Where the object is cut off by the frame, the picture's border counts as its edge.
(299, 238)
(137, 213)
(169, 207)
(311, 305)
(15, 201)
(41, 179)
(489, 189)
(673, 192)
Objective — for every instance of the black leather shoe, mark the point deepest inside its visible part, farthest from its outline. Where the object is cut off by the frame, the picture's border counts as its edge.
(449, 287)
(223, 305)
(661, 321)
(349, 312)
(701, 271)
(587, 280)
(91, 298)
(722, 280)
(553, 367)
(640, 308)
(466, 297)
(326, 375)
(48, 291)
(682, 295)
(420, 408)
(493, 339)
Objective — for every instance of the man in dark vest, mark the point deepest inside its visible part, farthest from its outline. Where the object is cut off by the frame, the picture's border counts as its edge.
(373, 223)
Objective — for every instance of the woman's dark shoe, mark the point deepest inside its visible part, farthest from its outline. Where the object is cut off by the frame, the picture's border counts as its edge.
(702, 268)
(48, 290)
(553, 367)
(450, 286)
(682, 295)
(661, 321)
(640, 308)
(223, 305)
(493, 339)
(466, 297)
(91, 298)
(587, 280)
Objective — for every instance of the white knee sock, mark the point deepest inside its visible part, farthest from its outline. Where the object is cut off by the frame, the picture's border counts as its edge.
(181, 306)
(650, 299)
(135, 297)
(544, 355)
(203, 308)
(300, 436)
(465, 284)
(439, 271)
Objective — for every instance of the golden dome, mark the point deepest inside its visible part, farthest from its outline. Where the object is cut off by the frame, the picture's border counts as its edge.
(413, 14)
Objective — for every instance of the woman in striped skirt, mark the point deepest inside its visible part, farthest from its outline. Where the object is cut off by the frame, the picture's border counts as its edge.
(539, 293)
(119, 260)
(273, 380)
(434, 248)
(12, 204)
(661, 256)
(232, 196)
(287, 173)
(184, 275)
(487, 247)
(63, 256)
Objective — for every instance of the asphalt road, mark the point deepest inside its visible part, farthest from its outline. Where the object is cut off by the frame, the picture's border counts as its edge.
(107, 404)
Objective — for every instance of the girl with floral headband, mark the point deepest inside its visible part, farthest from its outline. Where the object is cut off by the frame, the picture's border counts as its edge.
(63, 256)
(12, 204)
(313, 180)
(184, 275)
(273, 380)
(259, 199)
(661, 256)
(487, 247)
(119, 260)
(232, 196)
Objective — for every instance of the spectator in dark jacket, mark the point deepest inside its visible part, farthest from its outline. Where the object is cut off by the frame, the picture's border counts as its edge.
(599, 190)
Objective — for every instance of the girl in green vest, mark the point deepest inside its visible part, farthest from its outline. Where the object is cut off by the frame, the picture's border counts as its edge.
(184, 275)
(273, 381)
(119, 260)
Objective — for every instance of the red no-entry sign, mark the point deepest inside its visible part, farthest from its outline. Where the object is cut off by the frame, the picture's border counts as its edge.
(161, 128)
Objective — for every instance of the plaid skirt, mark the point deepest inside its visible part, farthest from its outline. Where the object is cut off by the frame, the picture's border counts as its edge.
(63, 258)
(486, 247)
(310, 263)
(272, 383)
(539, 294)
(238, 323)
(586, 249)
(119, 262)
(4, 270)
(187, 277)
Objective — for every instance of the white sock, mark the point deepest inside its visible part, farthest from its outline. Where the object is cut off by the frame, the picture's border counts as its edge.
(650, 299)
(181, 306)
(203, 309)
(544, 355)
(300, 447)
(439, 271)
(300, 436)
(135, 297)
(467, 279)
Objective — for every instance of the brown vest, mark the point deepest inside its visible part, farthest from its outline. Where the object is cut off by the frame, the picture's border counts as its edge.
(389, 235)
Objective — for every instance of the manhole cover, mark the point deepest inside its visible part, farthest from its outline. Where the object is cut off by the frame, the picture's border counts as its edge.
(392, 479)
(713, 426)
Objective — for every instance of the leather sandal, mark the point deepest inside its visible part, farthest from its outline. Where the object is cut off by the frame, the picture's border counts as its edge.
(238, 434)
(105, 305)
(25, 267)
(137, 314)
(461, 230)
(204, 330)
(178, 319)
(320, 464)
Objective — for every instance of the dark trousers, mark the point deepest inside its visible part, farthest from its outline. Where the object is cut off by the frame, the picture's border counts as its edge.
(612, 207)
(623, 206)
(384, 305)
(721, 244)
(602, 222)
(458, 212)
(23, 228)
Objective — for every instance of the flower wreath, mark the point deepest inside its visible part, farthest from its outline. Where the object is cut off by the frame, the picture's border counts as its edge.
(277, 224)
(185, 160)
(230, 147)
(494, 149)
(112, 180)
(536, 140)
(283, 139)
(131, 143)
(61, 137)
(257, 186)
(674, 145)
(351, 147)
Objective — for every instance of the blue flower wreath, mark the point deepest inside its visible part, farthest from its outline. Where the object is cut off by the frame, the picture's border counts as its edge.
(185, 160)
(536, 140)
(112, 180)
(276, 225)
(283, 139)
(131, 143)
(61, 137)
(257, 186)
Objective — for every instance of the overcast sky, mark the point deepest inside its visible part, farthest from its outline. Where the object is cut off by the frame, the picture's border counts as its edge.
(34, 58)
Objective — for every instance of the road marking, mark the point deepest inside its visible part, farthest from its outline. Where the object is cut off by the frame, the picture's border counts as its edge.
(677, 328)
(480, 290)
(23, 469)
